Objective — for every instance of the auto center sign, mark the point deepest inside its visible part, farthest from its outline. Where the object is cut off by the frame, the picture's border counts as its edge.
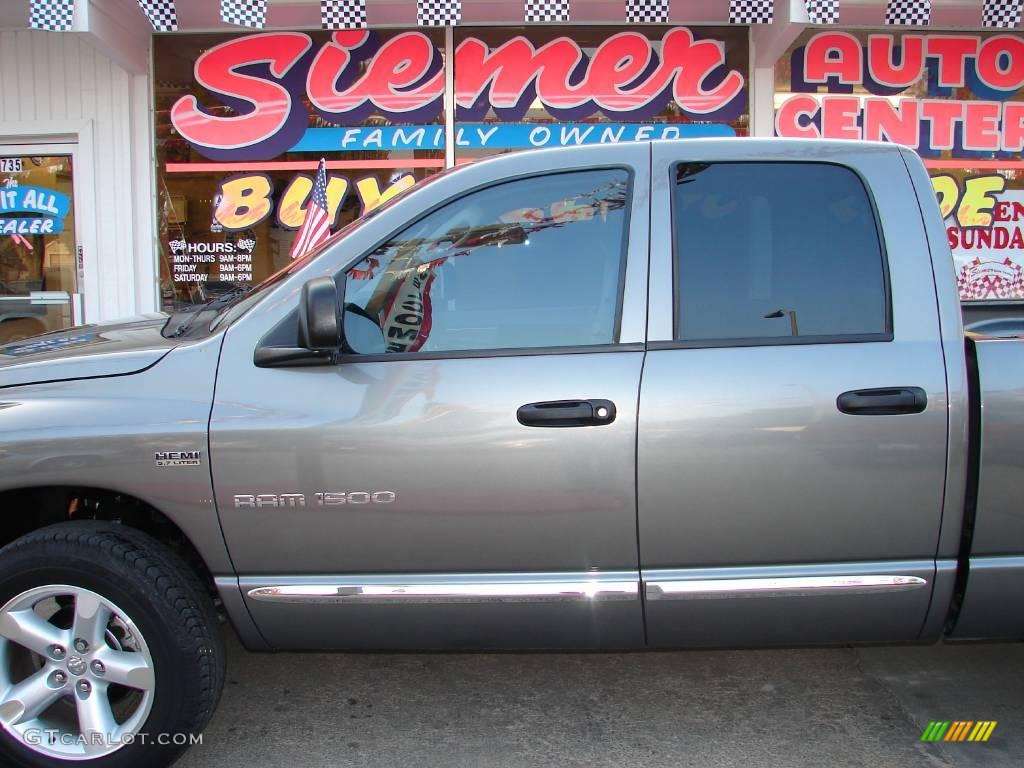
(940, 93)
(262, 91)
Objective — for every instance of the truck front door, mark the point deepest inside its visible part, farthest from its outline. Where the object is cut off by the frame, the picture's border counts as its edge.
(465, 475)
(792, 433)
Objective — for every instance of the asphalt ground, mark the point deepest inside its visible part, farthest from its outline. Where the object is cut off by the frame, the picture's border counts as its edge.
(863, 707)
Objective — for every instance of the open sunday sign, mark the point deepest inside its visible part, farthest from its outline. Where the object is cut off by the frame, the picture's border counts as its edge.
(49, 206)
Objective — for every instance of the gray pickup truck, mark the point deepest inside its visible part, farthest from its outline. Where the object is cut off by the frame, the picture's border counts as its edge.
(686, 394)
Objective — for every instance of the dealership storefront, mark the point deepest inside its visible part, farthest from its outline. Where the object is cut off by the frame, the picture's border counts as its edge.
(178, 165)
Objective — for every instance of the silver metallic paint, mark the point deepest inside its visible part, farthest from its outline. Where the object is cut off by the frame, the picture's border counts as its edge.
(476, 490)
(746, 469)
(765, 618)
(103, 433)
(743, 457)
(119, 348)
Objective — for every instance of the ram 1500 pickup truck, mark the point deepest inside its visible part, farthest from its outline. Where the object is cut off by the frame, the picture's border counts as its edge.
(681, 394)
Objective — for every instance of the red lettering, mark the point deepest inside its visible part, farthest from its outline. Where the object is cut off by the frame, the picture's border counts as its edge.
(1013, 126)
(996, 51)
(952, 52)
(506, 73)
(618, 62)
(981, 125)
(898, 123)
(510, 68)
(880, 60)
(1001, 211)
(624, 75)
(389, 82)
(839, 117)
(692, 62)
(832, 54)
(789, 114)
(216, 70)
(942, 115)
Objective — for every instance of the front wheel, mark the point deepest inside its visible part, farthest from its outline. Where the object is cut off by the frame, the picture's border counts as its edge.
(109, 652)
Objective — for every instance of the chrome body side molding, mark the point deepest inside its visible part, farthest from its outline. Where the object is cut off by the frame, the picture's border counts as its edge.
(787, 586)
(433, 589)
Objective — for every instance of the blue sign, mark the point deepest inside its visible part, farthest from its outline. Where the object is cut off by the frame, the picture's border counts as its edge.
(42, 225)
(49, 206)
(39, 200)
(498, 135)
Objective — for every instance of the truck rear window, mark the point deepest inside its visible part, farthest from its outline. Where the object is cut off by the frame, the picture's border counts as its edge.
(775, 253)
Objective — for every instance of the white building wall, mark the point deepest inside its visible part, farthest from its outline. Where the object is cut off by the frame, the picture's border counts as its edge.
(58, 85)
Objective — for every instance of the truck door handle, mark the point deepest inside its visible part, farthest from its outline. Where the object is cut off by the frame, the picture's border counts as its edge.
(566, 413)
(884, 401)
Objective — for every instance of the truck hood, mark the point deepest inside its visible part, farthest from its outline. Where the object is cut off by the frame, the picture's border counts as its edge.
(104, 349)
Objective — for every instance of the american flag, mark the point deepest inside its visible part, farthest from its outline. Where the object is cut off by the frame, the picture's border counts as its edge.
(316, 227)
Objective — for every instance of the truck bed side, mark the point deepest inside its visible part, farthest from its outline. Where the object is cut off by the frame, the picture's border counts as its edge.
(994, 535)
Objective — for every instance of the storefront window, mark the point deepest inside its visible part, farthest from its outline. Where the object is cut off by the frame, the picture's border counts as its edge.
(38, 274)
(242, 121)
(958, 99)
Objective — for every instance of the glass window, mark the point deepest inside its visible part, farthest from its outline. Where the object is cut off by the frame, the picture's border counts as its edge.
(530, 263)
(774, 250)
(230, 207)
(38, 273)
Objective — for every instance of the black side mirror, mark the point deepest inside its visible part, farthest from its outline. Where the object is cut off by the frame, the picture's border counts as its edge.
(320, 326)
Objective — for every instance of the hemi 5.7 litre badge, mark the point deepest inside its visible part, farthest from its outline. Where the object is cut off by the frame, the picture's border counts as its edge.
(177, 458)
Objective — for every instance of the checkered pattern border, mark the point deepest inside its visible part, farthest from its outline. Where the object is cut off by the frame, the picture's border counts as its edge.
(343, 14)
(545, 10)
(913, 13)
(52, 15)
(751, 11)
(161, 14)
(647, 11)
(244, 13)
(978, 280)
(822, 11)
(1004, 14)
(438, 13)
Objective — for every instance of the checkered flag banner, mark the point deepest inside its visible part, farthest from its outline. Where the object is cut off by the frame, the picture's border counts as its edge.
(1001, 13)
(546, 10)
(822, 11)
(751, 11)
(52, 15)
(343, 14)
(244, 13)
(161, 14)
(647, 11)
(438, 13)
(914, 13)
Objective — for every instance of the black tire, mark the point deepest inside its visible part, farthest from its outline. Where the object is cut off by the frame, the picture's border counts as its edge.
(167, 604)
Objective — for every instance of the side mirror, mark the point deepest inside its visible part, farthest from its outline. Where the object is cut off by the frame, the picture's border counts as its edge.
(320, 326)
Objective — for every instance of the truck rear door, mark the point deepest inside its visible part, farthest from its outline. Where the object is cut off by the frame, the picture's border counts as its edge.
(792, 428)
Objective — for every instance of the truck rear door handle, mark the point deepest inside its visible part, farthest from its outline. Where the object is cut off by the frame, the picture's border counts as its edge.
(885, 401)
(566, 413)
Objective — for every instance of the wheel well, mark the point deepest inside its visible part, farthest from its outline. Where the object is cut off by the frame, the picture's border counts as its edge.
(30, 508)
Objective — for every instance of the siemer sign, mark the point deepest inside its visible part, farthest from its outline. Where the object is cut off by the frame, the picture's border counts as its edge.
(259, 86)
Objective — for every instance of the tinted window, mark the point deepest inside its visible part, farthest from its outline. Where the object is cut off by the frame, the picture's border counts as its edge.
(529, 263)
(769, 251)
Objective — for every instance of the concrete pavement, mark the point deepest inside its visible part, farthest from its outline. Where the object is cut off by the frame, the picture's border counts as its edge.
(785, 708)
